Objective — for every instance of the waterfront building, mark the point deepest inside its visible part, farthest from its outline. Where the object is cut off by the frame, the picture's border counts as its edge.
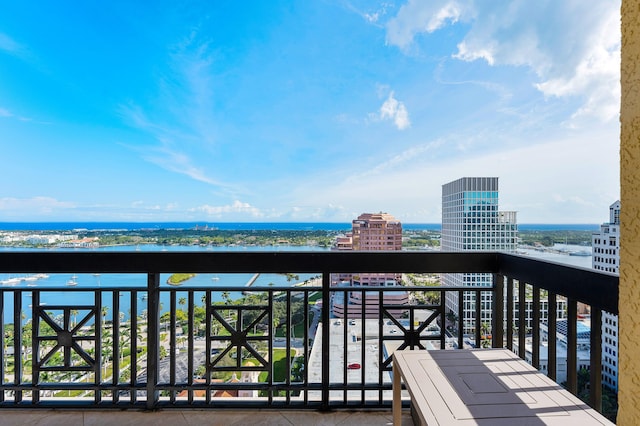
(81, 243)
(606, 257)
(369, 232)
(471, 221)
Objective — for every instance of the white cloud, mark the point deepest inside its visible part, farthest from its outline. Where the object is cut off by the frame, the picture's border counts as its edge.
(237, 207)
(8, 114)
(573, 47)
(21, 207)
(11, 46)
(415, 153)
(394, 110)
(597, 74)
(466, 53)
(542, 187)
(177, 162)
(418, 16)
(181, 121)
(372, 16)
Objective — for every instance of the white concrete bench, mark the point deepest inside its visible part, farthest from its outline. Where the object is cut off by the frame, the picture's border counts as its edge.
(483, 387)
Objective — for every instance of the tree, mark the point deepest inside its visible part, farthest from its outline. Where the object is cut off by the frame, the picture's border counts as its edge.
(125, 375)
(74, 314)
(104, 312)
(296, 319)
(26, 339)
(125, 336)
(484, 338)
(107, 349)
(452, 319)
(7, 341)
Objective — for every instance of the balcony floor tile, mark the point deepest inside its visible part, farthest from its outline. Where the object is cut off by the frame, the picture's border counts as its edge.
(19, 417)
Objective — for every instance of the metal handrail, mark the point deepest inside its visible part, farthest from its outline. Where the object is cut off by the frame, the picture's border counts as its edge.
(598, 289)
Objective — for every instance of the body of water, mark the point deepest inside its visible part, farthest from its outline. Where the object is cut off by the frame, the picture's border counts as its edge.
(248, 226)
(73, 284)
(76, 296)
(559, 253)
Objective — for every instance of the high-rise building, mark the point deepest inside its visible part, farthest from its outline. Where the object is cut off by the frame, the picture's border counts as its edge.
(471, 221)
(376, 232)
(606, 257)
(369, 232)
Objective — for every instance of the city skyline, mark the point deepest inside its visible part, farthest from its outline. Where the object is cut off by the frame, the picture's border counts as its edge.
(306, 111)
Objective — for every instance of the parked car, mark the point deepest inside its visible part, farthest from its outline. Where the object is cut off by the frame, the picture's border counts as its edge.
(353, 366)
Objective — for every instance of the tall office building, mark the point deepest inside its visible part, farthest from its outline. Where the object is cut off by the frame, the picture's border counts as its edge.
(471, 222)
(606, 257)
(369, 232)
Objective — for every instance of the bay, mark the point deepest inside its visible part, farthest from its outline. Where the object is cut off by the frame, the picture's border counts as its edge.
(55, 289)
(67, 289)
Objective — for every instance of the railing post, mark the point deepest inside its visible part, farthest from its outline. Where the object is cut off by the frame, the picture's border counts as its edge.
(509, 308)
(535, 328)
(595, 380)
(572, 364)
(153, 338)
(99, 321)
(478, 318)
(522, 323)
(17, 343)
(133, 366)
(326, 306)
(35, 348)
(116, 349)
(552, 336)
(497, 326)
(4, 343)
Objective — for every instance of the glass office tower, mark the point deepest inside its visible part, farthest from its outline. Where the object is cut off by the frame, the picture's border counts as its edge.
(471, 221)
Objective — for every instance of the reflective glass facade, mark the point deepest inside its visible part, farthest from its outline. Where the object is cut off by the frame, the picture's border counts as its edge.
(471, 221)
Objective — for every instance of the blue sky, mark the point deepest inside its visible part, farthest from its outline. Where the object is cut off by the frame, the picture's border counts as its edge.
(306, 110)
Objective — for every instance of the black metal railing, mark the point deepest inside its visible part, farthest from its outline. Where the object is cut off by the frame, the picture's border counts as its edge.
(149, 344)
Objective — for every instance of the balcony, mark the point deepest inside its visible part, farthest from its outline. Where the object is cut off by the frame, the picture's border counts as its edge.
(150, 345)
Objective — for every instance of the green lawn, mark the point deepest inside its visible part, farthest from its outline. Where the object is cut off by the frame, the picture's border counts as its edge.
(279, 366)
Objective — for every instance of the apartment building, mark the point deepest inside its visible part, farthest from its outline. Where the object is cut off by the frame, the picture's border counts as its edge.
(369, 232)
(606, 257)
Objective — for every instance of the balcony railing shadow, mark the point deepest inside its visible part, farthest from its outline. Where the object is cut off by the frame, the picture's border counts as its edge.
(152, 345)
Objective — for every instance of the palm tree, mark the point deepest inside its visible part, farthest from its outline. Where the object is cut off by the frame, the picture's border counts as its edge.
(125, 337)
(106, 338)
(7, 340)
(107, 350)
(485, 330)
(26, 339)
(227, 300)
(104, 312)
(74, 314)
